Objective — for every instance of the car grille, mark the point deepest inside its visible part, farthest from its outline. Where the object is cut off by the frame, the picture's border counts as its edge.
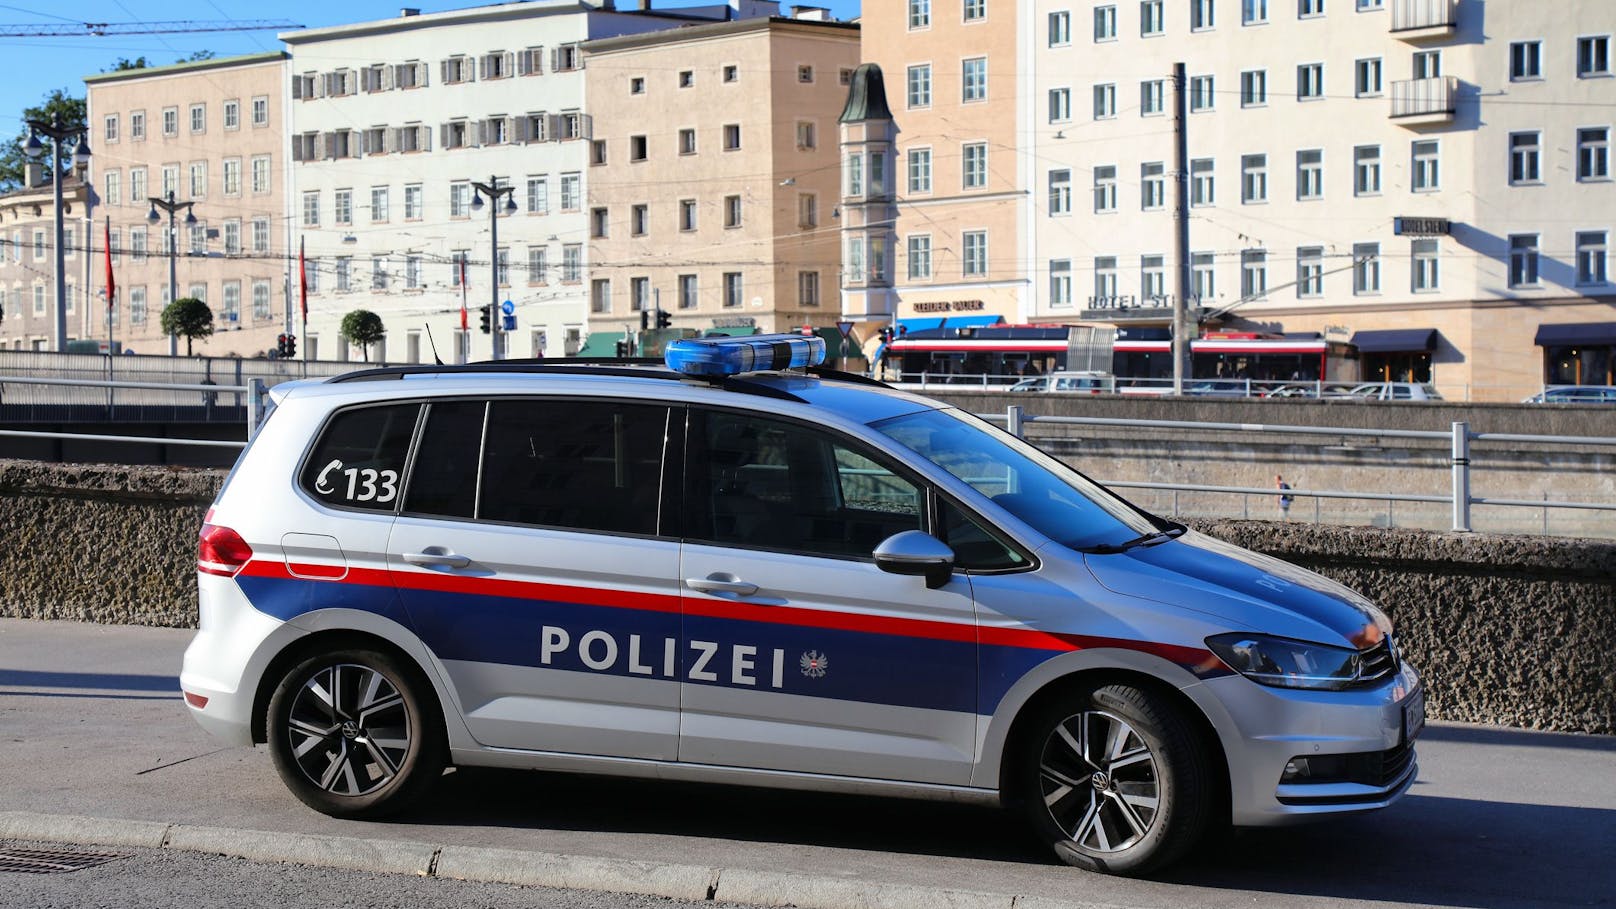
(1379, 662)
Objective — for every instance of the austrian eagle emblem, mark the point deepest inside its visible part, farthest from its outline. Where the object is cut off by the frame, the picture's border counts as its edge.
(814, 664)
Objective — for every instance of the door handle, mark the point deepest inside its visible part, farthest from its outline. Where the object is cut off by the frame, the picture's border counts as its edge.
(722, 582)
(437, 556)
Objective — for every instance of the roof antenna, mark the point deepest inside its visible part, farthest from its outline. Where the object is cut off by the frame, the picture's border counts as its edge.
(435, 357)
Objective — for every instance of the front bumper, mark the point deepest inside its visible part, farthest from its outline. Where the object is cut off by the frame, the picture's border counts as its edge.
(1268, 727)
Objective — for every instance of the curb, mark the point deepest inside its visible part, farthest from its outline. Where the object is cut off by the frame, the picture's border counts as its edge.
(692, 883)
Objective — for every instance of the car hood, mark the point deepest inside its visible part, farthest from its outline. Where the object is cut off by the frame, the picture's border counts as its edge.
(1247, 590)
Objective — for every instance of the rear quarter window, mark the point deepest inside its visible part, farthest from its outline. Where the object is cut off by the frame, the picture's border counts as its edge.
(358, 461)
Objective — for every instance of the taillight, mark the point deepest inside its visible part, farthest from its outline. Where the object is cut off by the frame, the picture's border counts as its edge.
(221, 551)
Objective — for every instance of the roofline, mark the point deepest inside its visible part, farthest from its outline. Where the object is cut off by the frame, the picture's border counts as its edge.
(714, 30)
(194, 66)
(495, 12)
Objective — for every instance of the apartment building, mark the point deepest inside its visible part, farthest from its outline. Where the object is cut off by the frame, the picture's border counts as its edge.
(28, 264)
(211, 135)
(1426, 180)
(395, 122)
(713, 175)
(942, 195)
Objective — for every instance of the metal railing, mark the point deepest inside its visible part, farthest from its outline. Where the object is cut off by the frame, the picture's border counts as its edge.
(253, 394)
(1409, 15)
(1459, 439)
(1418, 97)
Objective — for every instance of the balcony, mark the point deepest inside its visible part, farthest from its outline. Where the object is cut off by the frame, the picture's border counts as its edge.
(1424, 102)
(1420, 20)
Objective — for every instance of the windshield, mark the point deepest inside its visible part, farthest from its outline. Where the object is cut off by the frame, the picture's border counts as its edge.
(1051, 497)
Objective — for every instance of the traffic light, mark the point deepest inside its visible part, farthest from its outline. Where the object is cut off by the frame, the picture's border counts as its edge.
(645, 319)
(280, 345)
(291, 346)
(622, 348)
(485, 317)
(664, 319)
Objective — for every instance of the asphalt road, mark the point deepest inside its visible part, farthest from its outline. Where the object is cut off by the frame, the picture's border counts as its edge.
(91, 724)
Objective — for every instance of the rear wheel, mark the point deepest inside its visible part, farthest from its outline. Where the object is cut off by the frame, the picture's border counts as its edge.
(1115, 779)
(354, 733)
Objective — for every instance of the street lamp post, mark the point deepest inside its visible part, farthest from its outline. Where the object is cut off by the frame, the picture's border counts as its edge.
(493, 191)
(169, 205)
(58, 133)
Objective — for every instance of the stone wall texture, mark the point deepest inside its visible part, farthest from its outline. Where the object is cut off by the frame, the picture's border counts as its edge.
(1511, 630)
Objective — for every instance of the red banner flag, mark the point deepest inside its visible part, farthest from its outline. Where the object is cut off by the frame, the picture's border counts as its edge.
(302, 279)
(112, 286)
(464, 325)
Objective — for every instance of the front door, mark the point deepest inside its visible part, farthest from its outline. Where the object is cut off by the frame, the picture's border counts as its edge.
(529, 558)
(800, 654)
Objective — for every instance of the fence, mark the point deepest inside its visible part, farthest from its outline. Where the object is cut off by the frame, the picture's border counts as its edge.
(1459, 438)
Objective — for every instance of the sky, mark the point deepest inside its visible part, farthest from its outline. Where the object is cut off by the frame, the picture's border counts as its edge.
(31, 67)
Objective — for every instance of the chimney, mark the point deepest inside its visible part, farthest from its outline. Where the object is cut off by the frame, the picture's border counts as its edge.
(409, 11)
(33, 174)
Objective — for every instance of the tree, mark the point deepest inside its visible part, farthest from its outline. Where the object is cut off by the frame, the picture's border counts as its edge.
(189, 318)
(364, 328)
(13, 162)
(124, 64)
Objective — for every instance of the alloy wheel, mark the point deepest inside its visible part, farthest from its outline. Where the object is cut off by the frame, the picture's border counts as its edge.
(349, 729)
(1099, 781)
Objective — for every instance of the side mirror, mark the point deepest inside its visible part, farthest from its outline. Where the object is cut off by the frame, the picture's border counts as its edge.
(918, 554)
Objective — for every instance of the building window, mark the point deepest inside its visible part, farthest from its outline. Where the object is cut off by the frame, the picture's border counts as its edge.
(1425, 275)
(1105, 23)
(732, 136)
(1310, 271)
(731, 73)
(412, 272)
(975, 165)
(688, 290)
(1366, 170)
(311, 209)
(976, 253)
(1150, 18)
(919, 170)
(1525, 60)
(636, 85)
(639, 294)
(171, 121)
(1060, 282)
(232, 237)
(342, 207)
(1593, 153)
(1427, 64)
(1591, 257)
(1366, 80)
(1105, 189)
(638, 148)
(600, 295)
(1201, 96)
(1060, 105)
(1524, 158)
(572, 263)
(1060, 192)
(1368, 5)
(687, 214)
(920, 257)
(1201, 15)
(807, 210)
(1153, 279)
(1253, 179)
(806, 135)
(1105, 279)
(732, 211)
(1253, 12)
(1151, 98)
(734, 290)
(639, 219)
(1203, 276)
(807, 288)
(260, 235)
(974, 79)
(260, 175)
(571, 191)
(1310, 174)
(231, 291)
(1254, 88)
(110, 134)
(344, 273)
(260, 110)
(1105, 101)
(853, 169)
(199, 179)
(1310, 82)
(1523, 260)
(1426, 175)
(1306, 9)
(805, 74)
(687, 77)
(199, 118)
(1253, 274)
(378, 272)
(1152, 185)
(232, 114)
(1366, 268)
(137, 125)
(538, 265)
(412, 201)
(687, 141)
(1202, 190)
(599, 223)
(597, 151)
(976, 10)
(1593, 56)
(113, 188)
(919, 13)
(1060, 28)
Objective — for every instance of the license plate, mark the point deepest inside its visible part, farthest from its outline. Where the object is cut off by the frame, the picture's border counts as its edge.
(1413, 714)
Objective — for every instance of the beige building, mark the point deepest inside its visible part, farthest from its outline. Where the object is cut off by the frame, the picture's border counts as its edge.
(211, 134)
(28, 265)
(713, 176)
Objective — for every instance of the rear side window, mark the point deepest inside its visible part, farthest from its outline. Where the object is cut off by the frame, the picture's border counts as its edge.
(359, 460)
(444, 478)
(585, 465)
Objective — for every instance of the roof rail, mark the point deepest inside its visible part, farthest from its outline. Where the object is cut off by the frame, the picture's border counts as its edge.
(639, 368)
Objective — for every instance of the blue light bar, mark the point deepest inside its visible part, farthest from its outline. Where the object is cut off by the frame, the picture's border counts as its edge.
(733, 356)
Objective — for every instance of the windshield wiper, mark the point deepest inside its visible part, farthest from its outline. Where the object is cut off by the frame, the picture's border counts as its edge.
(1149, 539)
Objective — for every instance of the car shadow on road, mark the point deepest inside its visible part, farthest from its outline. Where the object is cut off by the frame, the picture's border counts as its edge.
(1426, 850)
(104, 681)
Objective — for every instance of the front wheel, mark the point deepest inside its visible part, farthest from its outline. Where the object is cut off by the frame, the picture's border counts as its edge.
(354, 733)
(1115, 779)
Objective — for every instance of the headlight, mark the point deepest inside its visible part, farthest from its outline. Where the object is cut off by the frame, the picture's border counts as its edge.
(1284, 663)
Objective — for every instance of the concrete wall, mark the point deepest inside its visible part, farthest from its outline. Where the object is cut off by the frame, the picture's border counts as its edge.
(1510, 630)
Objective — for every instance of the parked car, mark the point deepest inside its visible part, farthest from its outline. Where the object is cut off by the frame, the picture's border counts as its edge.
(1092, 382)
(1312, 390)
(1575, 394)
(1222, 388)
(1397, 391)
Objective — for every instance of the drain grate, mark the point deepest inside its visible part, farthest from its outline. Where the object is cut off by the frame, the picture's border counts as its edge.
(52, 861)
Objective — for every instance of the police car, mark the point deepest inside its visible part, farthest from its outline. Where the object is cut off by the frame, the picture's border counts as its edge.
(740, 567)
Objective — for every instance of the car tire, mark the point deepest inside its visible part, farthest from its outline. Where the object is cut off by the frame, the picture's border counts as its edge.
(1115, 779)
(356, 733)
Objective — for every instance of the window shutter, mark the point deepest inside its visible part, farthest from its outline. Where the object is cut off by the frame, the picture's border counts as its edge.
(510, 62)
(443, 71)
(482, 132)
(363, 143)
(482, 66)
(330, 145)
(297, 87)
(467, 71)
(538, 60)
(552, 127)
(425, 137)
(519, 130)
(555, 59)
(586, 126)
(443, 135)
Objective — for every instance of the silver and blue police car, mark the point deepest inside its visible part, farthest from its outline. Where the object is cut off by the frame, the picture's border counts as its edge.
(740, 567)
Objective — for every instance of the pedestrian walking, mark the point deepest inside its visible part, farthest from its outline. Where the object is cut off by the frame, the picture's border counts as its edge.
(1285, 498)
